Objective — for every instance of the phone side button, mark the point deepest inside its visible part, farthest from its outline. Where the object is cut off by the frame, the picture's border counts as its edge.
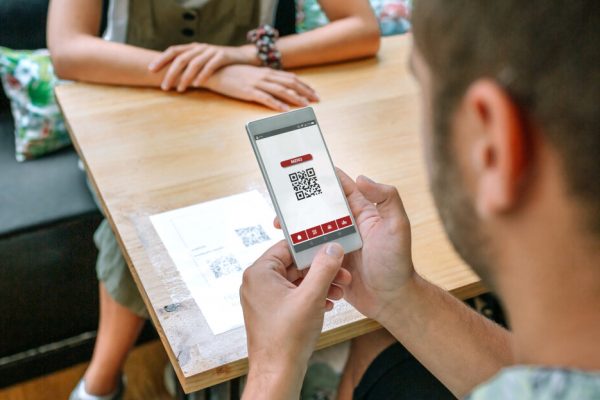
(299, 237)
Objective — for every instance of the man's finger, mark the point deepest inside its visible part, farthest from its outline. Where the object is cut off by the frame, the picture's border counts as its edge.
(329, 305)
(322, 272)
(351, 188)
(276, 223)
(335, 293)
(298, 281)
(268, 273)
(348, 185)
(386, 197)
(277, 258)
(343, 277)
(294, 275)
(356, 200)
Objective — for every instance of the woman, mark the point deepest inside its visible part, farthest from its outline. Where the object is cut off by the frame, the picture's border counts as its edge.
(176, 45)
(183, 45)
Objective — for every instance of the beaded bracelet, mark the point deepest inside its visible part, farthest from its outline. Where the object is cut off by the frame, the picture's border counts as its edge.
(264, 38)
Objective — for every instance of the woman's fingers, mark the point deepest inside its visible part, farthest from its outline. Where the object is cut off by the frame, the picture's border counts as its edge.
(177, 67)
(290, 96)
(167, 56)
(215, 62)
(291, 81)
(266, 99)
(193, 69)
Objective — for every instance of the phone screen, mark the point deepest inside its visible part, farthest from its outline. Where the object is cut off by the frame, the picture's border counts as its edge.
(305, 185)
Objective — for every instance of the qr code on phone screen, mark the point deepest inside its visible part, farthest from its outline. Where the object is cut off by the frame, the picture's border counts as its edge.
(224, 265)
(305, 184)
(252, 235)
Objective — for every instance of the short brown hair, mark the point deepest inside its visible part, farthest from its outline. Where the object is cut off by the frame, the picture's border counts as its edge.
(546, 54)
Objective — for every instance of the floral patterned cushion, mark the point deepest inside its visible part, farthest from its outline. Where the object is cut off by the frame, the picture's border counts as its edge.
(393, 15)
(28, 79)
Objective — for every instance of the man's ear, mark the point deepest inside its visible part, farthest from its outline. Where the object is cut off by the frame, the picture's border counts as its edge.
(499, 153)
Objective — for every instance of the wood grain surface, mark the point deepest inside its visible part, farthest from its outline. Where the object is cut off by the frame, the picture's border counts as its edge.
(147, 151)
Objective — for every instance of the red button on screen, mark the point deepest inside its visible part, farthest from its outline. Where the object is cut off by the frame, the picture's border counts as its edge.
(296, 160)
(343, 222)
(314, 232)
(329, 227)
(299, 237)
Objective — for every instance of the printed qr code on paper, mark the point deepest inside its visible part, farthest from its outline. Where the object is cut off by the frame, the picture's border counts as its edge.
(224, 265)
(305, 184)
(252, 235)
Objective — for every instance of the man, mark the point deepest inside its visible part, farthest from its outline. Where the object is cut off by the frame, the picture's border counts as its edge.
(510, 93)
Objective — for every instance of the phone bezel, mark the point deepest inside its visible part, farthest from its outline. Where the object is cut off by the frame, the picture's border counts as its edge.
(303, 259)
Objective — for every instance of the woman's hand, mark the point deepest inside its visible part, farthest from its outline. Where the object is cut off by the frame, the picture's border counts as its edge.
(275, 89)
(190, 65)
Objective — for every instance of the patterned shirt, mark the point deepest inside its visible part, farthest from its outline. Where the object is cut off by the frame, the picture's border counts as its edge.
(393, 15)
(537, 383)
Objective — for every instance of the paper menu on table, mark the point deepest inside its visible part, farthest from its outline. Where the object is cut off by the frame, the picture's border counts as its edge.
(211, 244)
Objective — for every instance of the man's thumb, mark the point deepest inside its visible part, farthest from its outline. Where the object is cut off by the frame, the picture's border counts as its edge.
(323, 270)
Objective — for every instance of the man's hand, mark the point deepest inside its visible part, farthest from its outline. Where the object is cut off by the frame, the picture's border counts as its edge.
(457, 345)
(274, 89)
(283, 313)
(383, 267)
(190, 65)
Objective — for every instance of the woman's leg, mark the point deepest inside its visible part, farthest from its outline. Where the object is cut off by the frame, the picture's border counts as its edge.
(118, 330)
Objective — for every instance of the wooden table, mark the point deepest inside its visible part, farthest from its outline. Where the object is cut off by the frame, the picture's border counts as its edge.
(148, 152)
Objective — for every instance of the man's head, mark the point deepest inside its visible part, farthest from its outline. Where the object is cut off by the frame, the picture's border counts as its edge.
(505, 83)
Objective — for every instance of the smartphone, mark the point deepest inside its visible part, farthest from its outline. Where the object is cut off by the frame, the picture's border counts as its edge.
(303, 185)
